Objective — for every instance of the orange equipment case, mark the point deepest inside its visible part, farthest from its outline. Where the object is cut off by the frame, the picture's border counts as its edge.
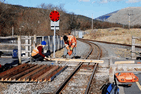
(126, 77)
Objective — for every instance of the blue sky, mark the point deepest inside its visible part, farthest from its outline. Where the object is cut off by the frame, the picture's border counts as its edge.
(82, 7)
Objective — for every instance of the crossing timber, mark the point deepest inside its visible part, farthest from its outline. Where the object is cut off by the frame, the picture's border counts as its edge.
(76, 60)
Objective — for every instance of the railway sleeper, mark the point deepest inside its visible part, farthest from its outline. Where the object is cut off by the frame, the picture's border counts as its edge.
(31, 73)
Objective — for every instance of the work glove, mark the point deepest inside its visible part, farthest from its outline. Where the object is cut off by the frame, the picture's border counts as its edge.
(46, 58)
(70, 52)
(71, 48)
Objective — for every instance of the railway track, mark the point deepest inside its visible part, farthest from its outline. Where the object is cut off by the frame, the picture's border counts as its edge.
(128, 45)
(80, 72)
(80, 79)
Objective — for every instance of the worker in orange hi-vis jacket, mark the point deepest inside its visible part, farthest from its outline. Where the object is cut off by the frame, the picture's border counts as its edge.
(37, 53)
(70, 43)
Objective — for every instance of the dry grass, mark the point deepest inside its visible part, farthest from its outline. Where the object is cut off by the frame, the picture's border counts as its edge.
(117, 35)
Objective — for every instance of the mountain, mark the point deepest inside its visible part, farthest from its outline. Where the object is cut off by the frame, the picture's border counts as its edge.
(106, 16)
(123, 16)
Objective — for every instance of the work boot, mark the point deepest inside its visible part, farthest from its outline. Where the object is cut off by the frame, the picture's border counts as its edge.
(32, 60)
(73, 57)
(64, 56)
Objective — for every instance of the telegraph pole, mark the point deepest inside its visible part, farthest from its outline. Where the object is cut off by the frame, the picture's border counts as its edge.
(129, 14)
(129, 20)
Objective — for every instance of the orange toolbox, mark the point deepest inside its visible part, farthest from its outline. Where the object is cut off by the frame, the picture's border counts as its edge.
(126, 77)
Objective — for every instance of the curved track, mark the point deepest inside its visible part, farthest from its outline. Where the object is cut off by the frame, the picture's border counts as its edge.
(81, 78)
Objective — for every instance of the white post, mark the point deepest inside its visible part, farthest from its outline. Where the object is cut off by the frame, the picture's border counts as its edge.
(48, 42)
(54, 42)
(133, 48)
(30, 47)
(26, 46)
(57, 43)
(19, 49)
(58, 38)
(34, 41)
(43, 38)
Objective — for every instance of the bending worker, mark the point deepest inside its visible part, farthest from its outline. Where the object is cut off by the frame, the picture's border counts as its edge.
(70, 43)
(37, 52)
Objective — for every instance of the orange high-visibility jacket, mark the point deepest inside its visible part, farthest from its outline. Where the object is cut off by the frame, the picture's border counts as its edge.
(37, 50)
(71, 42)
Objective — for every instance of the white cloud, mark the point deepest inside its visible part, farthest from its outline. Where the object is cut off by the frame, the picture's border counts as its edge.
(93, 2)
(106, 1)
(103, 1)
(84, 0)
(115, 0)
(133, 1)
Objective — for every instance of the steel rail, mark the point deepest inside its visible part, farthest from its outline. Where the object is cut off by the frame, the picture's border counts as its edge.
(89, 83)
(94, 70)
(69, 77)
(108, 42)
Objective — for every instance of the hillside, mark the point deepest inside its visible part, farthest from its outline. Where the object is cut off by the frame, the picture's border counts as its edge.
(115, 35)
(30, 21)
(106, 16)
(122, 16)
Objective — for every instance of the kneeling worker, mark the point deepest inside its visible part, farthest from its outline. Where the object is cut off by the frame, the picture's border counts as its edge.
(37, 52)
(70, 43)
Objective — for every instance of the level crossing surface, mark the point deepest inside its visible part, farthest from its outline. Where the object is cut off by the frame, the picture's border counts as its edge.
(135, 88)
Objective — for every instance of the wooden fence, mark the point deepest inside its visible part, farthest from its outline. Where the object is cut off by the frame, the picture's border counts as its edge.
(134, 44)
(25, 44)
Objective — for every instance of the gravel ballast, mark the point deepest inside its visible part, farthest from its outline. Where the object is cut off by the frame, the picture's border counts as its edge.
(45, 87)
(109, 50)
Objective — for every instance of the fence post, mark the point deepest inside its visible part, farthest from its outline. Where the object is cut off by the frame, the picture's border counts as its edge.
(43, 38)
(48, 42)
(52, 44)
(30, 47)
(61, 38)
(19, 49)
(34, 41)
(56, 42)
(133, 48)
(26, 46)
(58, 39)
(62, 43)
